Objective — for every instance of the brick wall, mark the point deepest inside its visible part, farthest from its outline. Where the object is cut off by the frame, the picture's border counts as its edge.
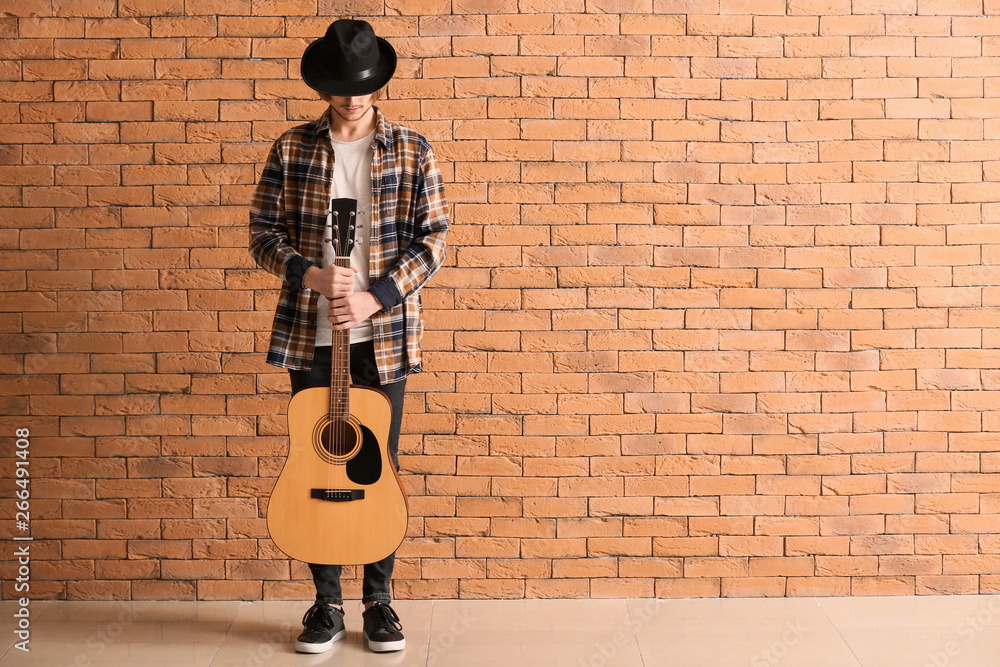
(719, 315)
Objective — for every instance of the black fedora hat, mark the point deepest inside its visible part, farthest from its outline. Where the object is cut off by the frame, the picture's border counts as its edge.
(348, 60)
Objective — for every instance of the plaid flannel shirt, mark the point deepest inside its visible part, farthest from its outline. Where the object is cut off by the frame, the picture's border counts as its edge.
(409, 224)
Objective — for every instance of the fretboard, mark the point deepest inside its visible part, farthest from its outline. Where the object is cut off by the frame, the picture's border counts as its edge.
(340, 371)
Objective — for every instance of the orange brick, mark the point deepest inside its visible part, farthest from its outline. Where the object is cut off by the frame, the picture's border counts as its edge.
(751, 312)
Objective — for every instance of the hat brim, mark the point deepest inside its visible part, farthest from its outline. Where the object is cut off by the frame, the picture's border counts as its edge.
(322, 80)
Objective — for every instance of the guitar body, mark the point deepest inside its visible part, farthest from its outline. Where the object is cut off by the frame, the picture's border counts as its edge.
(340, 502)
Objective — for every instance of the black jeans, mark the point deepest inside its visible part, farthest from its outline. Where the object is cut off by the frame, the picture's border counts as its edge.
(375, 587)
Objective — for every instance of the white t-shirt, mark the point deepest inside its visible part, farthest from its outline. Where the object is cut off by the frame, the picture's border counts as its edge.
(352, 178)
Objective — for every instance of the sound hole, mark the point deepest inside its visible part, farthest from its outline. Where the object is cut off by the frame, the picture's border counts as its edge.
(339, 438)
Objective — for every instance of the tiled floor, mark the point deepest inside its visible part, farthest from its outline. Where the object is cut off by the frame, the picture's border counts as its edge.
(808, 632)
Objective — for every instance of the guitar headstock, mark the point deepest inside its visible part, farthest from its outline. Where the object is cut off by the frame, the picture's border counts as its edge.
(344, 227)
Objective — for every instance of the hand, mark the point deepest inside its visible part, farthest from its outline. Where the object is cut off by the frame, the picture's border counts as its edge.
(350, 310)
(332, 281)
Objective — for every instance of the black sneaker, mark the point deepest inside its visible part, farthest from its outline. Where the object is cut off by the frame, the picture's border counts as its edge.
(323, 625)
(382, 629)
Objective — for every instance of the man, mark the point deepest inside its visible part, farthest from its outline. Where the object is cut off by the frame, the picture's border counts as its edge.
(351, 152)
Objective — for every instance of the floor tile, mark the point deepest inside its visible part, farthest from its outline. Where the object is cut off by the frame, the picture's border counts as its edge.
(533, 632)
(112, 633)
(935, 631)
(927, 610)
(945, 631)
(745, 631)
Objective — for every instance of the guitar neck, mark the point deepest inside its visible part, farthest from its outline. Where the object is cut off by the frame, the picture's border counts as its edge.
(340, 367)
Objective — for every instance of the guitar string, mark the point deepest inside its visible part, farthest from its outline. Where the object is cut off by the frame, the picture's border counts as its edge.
(340, 386)
(343, 349)
(335, 386)
(333, 433)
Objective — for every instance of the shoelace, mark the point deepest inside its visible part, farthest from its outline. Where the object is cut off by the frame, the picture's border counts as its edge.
(386, 618)
(323, 612)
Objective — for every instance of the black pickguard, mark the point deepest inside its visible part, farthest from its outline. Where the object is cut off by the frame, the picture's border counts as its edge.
(366, 466)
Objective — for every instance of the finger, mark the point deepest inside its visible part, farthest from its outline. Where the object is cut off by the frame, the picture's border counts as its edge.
(329, 281)
(341, 312)
(345, 283)
(341, 324)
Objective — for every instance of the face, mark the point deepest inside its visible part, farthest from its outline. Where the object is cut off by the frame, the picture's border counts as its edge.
(350, 109)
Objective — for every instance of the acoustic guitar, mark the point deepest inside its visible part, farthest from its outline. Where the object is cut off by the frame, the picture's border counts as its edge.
(338, 499)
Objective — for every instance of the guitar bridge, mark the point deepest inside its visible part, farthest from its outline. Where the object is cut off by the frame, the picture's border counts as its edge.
(337, 495)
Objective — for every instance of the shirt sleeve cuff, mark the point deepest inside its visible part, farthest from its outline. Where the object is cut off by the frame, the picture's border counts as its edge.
(386, 293)
(296, 270)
